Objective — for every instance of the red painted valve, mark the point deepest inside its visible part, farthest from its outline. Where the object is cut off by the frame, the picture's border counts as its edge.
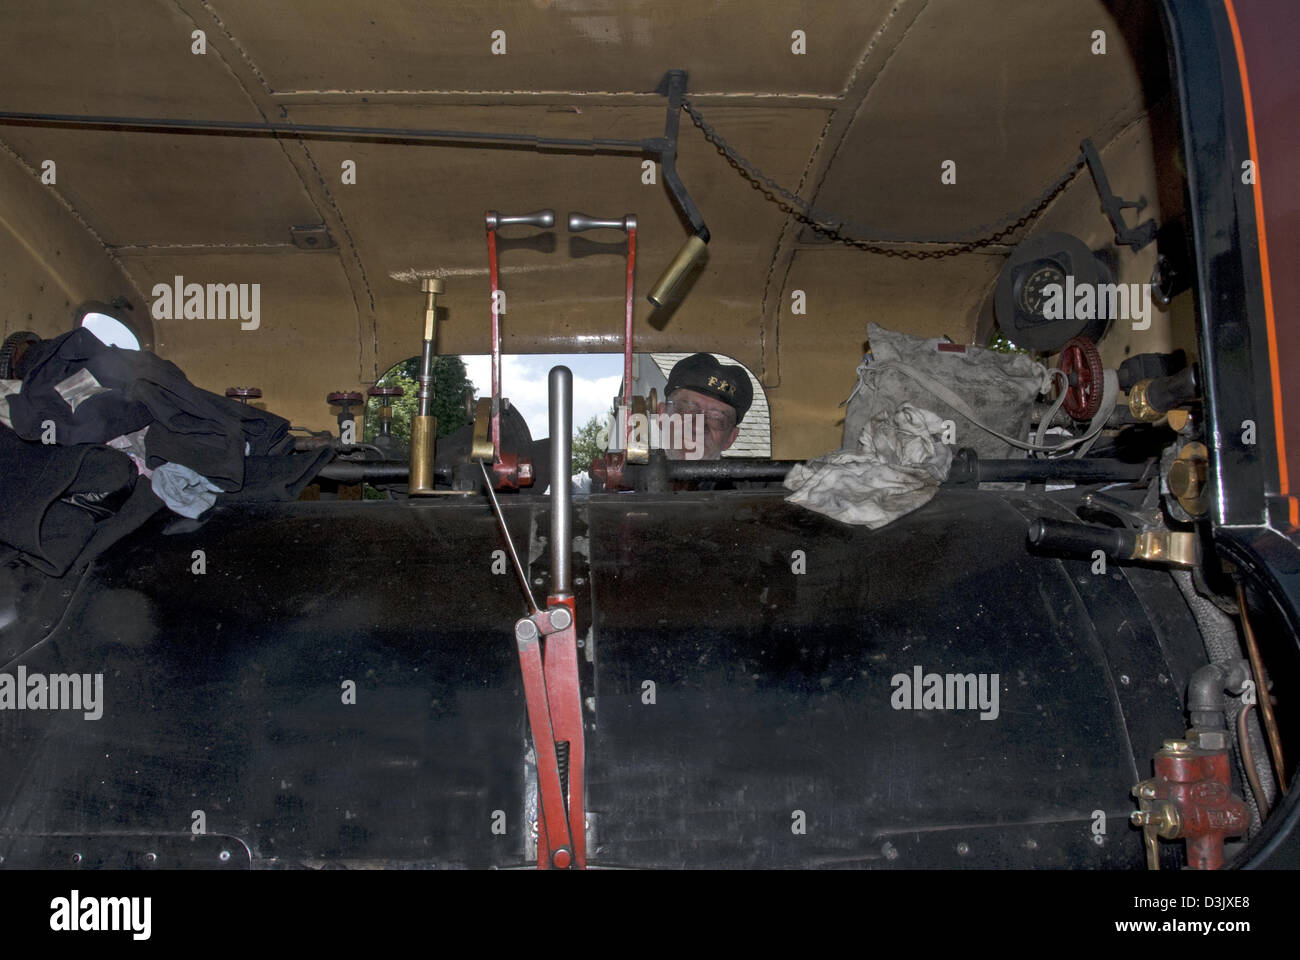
(344, 400)
(1190, 797)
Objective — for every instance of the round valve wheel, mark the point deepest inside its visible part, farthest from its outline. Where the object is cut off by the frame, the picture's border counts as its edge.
(11, 351)
(341, 397)
(1085, 376)
(385, 392)
(243, 393)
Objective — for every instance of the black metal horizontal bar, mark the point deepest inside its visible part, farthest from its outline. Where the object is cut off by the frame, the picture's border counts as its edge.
(264, 128)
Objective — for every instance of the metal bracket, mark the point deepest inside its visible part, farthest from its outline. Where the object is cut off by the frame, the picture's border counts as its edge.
(1134, 237)
(673, 86)
(481, 446)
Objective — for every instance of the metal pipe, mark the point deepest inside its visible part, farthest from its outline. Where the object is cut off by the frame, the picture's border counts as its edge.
(561, 403)
(373, 471)
(627, 329)
(424, 396)
(730, 469)
(1206, 702)
(1219, 635)
(505, 532)
(496, 335)
(1261, 692)
(1249, 762)
(1081, 538)
(969, 468)
(256, 128)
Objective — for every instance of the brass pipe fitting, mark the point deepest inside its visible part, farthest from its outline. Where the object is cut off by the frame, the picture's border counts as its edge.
(1140, 406)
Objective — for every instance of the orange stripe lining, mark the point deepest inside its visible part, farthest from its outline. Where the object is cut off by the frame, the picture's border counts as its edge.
(1282, 470)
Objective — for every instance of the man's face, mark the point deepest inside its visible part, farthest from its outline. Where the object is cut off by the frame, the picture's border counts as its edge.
(720, 428)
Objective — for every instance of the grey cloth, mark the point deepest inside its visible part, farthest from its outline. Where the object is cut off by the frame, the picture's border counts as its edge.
(999, 388)
(896, 466)
(132, 444)
(7, 389)
(183, 490)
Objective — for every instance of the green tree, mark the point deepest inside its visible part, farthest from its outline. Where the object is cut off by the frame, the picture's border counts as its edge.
(586, 444)
(1002, 344)
(450, 384)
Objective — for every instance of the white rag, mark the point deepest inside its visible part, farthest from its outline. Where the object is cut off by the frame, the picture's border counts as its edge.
(898, 465)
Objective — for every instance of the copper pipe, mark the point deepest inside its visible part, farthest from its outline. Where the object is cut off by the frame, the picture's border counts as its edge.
(1262, 697)
(1248, 756)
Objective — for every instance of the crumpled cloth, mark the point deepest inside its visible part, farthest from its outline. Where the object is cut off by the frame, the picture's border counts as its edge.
(132, 444)
(59, 501)
(898, 465)
(183, 490)
(998, 388)
(7, 389)
(94, 392)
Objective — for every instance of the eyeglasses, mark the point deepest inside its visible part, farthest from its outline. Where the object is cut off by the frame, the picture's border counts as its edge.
(715, 420)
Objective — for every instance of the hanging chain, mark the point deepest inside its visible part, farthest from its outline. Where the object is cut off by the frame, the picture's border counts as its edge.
(833, 228)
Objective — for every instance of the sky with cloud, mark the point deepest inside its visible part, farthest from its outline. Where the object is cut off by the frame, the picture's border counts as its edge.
(597, 377)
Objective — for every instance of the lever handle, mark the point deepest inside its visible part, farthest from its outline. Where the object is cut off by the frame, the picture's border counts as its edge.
(541, 218)
(579, 222)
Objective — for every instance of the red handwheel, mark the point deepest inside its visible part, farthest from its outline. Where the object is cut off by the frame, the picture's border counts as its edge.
(1084, 374)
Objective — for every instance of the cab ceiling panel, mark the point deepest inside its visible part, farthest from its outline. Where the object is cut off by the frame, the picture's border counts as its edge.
(418, 211)
(65, 56)
(550, 45)
(160, 189)
(71, 56)
(1006, 98)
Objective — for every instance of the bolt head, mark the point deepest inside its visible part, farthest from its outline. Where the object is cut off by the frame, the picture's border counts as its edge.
(560, 618)
(525, 630)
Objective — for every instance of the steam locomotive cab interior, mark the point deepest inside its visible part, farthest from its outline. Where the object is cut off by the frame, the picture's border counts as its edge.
(930, 509)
